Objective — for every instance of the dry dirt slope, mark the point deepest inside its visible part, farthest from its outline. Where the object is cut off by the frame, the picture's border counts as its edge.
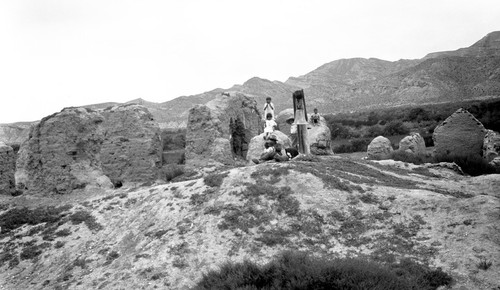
(166, 236)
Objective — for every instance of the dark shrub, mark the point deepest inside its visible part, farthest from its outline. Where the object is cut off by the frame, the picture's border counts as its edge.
(171, 171)
(471, 164)
(355, 145)
(30, 252)
(87, 218)
(410, 157)
(215, 179)
(18, 217)
(374, 131)
(395, 128)
(296, 270)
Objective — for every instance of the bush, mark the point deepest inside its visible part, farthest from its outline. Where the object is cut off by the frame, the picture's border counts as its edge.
(471, 164)
(374, 131)
(171, 171)
(215, 179)
(87, 218)
(404, 156)
(355, 145)
(395, 128)
(297, 270)
(18, 217)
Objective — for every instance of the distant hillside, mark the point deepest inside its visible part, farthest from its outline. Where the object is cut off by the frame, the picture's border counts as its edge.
(486, 46)
(359, 84)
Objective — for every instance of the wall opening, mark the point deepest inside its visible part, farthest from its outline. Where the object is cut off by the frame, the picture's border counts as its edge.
(239, 138)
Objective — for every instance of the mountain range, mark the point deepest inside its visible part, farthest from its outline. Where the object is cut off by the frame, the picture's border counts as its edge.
(362, 84)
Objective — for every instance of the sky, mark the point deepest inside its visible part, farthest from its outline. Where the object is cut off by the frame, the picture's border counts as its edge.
(61, 53)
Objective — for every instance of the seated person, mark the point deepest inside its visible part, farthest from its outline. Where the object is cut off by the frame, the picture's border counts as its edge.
(270, 150)
(315, 117)
(290, 153)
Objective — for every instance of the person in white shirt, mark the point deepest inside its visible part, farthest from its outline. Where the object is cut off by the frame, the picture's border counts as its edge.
(269, 126)
(269, 108)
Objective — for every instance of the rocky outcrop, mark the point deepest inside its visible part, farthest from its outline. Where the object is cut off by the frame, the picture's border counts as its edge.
(491, 145)
(131, 148)
(460, 134)
(220, 131)
(281, 119)
(79, 148)
(7, 169)
(62, 153)
(414, 143)
(256, 146)
(319, 138)
(379, 148)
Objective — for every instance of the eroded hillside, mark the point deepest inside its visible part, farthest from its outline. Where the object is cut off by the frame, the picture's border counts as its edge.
(166, 236)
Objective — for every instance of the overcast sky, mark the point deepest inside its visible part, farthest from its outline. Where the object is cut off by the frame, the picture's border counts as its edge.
(60, 53)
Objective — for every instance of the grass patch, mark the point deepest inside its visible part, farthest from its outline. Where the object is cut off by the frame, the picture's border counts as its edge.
(87, 218)
(473, 165)
(270, 174)
(297, 270)
(484, 264)
(369, 198)
(200, 198)
(215, 179)
(63, 233)
(33, 251)
(18, 217)
(171, 171)
(407, 157)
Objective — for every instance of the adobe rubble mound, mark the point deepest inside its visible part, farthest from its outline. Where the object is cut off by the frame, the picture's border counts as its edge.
(380, 148)
(319, 138)
(7, 169)
(80, 148)
(220, 131)
(62, 153)
(414, 144)
(131, 149)
(460, 134)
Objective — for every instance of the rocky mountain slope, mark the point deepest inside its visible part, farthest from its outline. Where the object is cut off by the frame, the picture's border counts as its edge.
(166, 236)
(356, 84)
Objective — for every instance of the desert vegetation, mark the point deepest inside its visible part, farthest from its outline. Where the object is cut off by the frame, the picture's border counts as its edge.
(299, 270)
(352, 132)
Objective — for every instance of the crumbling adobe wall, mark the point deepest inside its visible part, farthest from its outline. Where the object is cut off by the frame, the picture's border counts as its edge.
(62, 153)
(7, 169)
(79, 148)
(210, 130)
(131, 149)
(460, 134)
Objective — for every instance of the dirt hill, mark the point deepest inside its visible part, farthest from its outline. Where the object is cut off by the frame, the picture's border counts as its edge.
(166, 236)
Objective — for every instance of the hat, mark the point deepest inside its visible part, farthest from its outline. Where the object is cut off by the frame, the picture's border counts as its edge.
(273, 137)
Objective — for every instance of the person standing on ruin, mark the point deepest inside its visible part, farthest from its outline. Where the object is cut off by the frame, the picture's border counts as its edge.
(315, 117)
(269, 108)
(269, 125)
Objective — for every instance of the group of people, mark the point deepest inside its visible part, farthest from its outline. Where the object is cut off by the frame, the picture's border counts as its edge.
(273, 150)
(270, 120)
